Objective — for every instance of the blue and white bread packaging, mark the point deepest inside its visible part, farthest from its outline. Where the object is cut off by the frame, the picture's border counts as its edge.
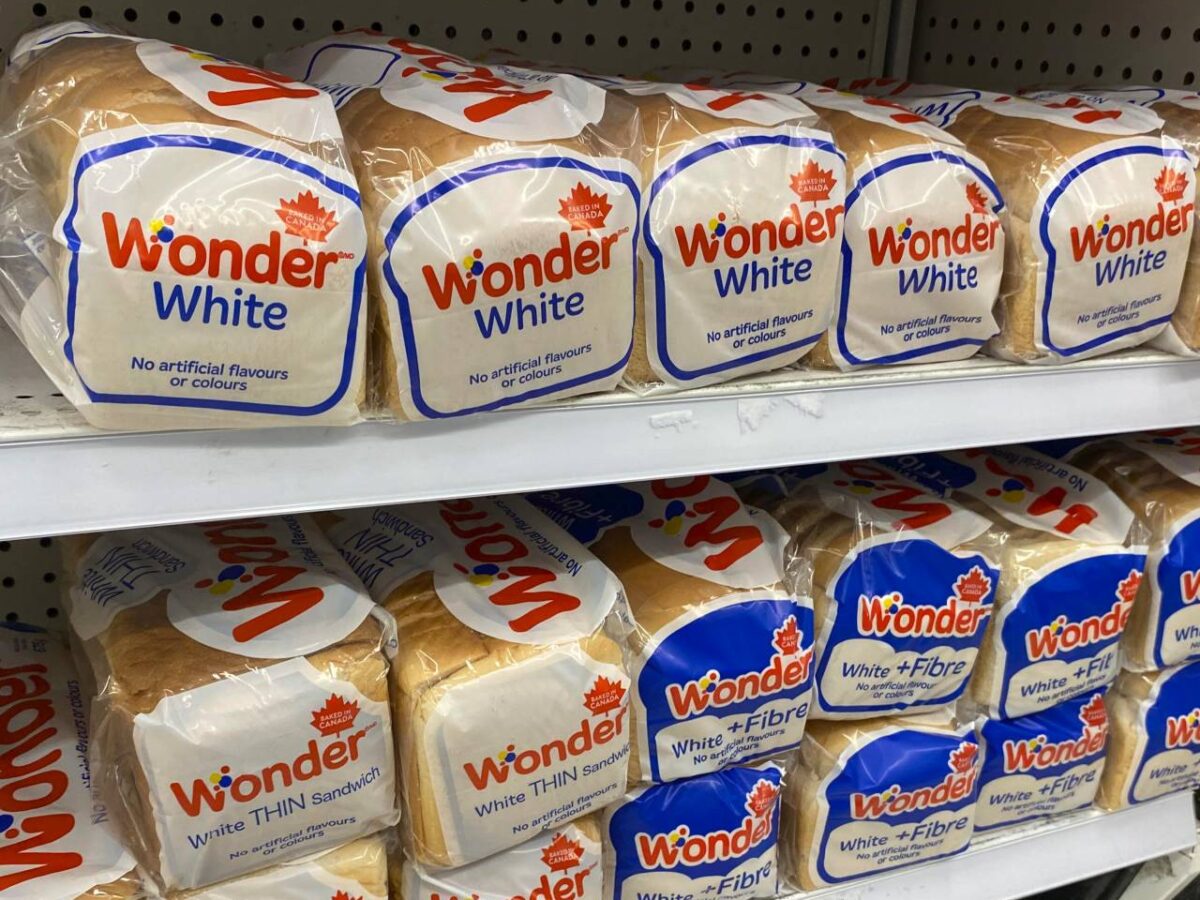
(243, 716)
(1041, 764)
(1158, 475)
(502, 215)
(902, 581)
(509, 691)
(714, 835)
(1069, 572)
(720, 650)
(878, 794)
(1154, 743)
(229, 287)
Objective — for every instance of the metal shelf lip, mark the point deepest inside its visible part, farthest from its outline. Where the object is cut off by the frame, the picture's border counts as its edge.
(1025, 860)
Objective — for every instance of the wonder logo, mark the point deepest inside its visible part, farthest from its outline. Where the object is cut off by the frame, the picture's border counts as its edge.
(713, 522)
(718, 238)
(1106, 236)
(1039, 753)
(680, 847)
(914, 506)
(896, 801)
(1183, 731)
(962, 615)
(1019, 490)
(788, 668)
(904, 241)
(1062, 635)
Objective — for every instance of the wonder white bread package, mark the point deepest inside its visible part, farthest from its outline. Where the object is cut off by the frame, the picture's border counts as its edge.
(243, 718)
(58, 842)
(510, 694)
(720, 650)
(713, 835)
(1069, 572)
(183, 239)
(502, 212)
(902, 581)
(879, 794)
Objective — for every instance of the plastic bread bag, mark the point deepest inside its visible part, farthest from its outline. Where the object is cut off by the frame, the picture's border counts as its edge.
(711, 835)
(243, 718)
(1158, 475)
(509, 692)
(938, 103)
(502, 213)
(181, 238)
(878, 794)
(720, 650)
(902, 582)
(59, 843)
(1070, 568)
(1154, 736)
(562, 863)
(1042, 764)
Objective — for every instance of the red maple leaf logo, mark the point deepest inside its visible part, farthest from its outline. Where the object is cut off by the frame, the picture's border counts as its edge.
(562, 853)
(1170, 184)
(977, 198)
(1128, 588)
(605, 696)
(963, 758)
(305, 217)
(761, 799)
(342, 895)
(335, 716)
(812, 183)
(787, 637)
(1093, 714)
(972, 587)
(584, 208)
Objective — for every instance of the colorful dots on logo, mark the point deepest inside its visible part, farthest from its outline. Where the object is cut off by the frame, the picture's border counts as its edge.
(1058, 624)
(857, 486)
(904, 229)
(473, 263)
(508, 754)
(1102, 224)
(709, 682)
(892, 600)
(1193, 717)
(483, 574)
(221, 779)
(6, 823)
(1011, 491)
(678, 836)
(672, 518)
(161, 230)
(717, 224)
(225, 580)
(891, 793)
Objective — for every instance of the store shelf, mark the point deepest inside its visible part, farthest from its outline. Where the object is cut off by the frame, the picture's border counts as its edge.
(1026, 860)
(57, 476)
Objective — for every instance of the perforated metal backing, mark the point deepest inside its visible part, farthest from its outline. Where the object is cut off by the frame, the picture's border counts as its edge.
(1022, 42)
(808, 39)
(30, 582)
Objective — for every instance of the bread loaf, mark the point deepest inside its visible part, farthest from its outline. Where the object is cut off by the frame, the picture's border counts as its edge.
(876, 795)
(720, 650)
(902, 584)
(502, 213)
(1041, 764)
(702, 836)
(243, 716)
(562, 863)
(1069, 573)
(1157, 475)
(509, 691)
(1154, 744)
(228, 288)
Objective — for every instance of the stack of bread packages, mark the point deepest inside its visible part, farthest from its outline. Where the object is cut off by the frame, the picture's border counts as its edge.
(510, 694)
(902, 583)
(1154, 706)
(183, 240)
(1070, 569)
(502, 217)
(242, 739)
(720, 664)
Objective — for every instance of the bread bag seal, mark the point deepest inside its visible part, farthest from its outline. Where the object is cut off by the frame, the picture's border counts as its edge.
(228, 289)
(720, 649)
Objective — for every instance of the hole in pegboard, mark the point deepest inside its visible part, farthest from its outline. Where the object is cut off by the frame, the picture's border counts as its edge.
(623, 41)
(1078, 29)
(174, 17)
(217, 20)
(1189, 78)
(1135, 31)
(258, 21)
(298, 24)
(5, 546)
(10, 617)
(1165, 34)
(338, 25)
(589, 39)
(1157, 76)
(45, 542)
(451, 31)
(85, 12)
(52, 612)
(414, 30)
(522, 35)
(8, 581)
(655, 43)
(39, 9)
(685, 44)
(130, 14)
(1126, 73)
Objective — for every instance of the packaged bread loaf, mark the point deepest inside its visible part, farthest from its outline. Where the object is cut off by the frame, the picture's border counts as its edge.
(243, 718)
(720, 650)
(228, 288)
(1042, 764)
(1154, 741)
(502, 214)
(57, 842)
(562, 863)
(711, 835)
(1069, 572)
(509, 691)
(876, 795)
(902, 581)
(1158, 476)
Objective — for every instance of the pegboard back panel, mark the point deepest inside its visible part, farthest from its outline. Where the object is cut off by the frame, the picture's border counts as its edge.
(813, 39)
(31, 583)
(1021, 42)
